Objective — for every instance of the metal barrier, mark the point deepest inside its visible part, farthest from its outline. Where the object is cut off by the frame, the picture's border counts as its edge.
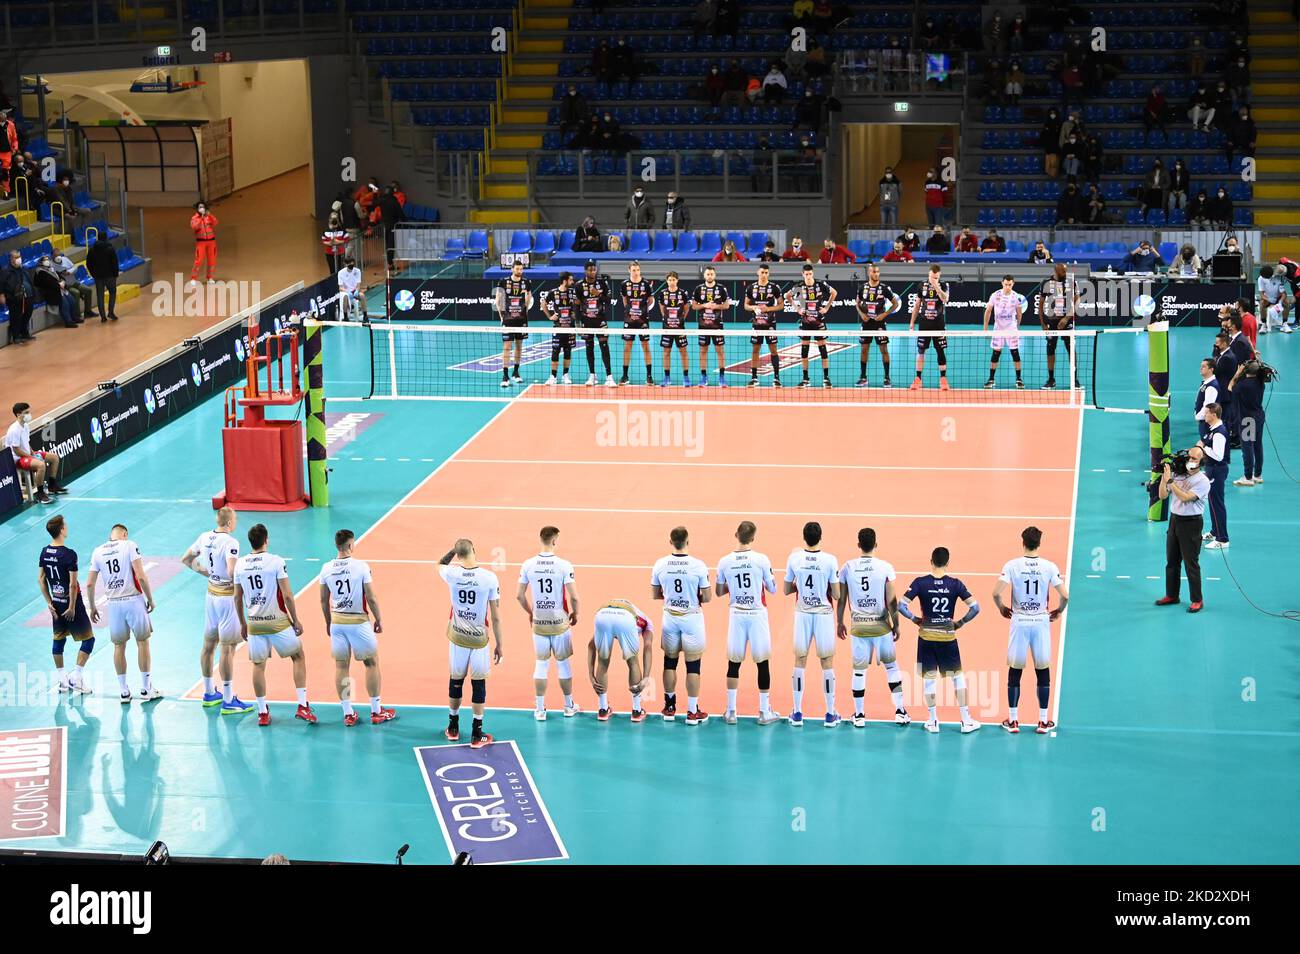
(727, 173)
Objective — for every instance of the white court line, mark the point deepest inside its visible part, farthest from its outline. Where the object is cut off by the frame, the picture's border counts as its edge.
(630, 566)
(1069, 566)
(578, 400)
(530, 508)
(683, 463)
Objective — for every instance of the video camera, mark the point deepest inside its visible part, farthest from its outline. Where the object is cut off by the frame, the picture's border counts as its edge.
(1177, 462)
(1258, 369)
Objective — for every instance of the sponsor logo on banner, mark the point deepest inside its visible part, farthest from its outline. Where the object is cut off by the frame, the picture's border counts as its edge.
(150, 402)
(491, 363)
(96, 432)
(404, 300)
(33, 782)
(195, 374)
(488, 805)
(239, 349)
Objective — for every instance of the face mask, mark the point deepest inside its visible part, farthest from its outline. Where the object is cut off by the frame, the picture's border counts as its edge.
(27, 417)
(638, 194)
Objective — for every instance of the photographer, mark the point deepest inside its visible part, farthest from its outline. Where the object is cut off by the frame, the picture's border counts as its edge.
(1183, 479)
(1247, 387)
(1218, 457)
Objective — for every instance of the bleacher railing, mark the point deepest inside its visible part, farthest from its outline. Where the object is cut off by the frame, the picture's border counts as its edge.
(729, 173)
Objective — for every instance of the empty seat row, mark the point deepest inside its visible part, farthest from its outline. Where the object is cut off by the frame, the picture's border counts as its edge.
(459, 116)
(429, 45)
(432, 23)
(440, 69)
(449, 92)
(693, 115)
(784, 139)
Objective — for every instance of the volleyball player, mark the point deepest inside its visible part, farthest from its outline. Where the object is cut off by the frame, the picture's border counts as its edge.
(763, 302)
(348, 601)
(746, 576)
(674, 304)
(268, 620)
(594, 305)
(711, 303)
(1031, 578)
(1058, 302)
(1004, 309)
(213, 557)
(130, 601)
(475, 598)
(813, 576)
(928, 309)
(58, 584)
(549, 596)
(619, 621)
(638, 302)
(937, 651)
(561, 306)
(514, 299)
(813, 300)
(867, 591)
(682, 582)
(875, 303)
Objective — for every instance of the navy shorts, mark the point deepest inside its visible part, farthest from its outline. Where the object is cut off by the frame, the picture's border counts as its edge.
(706, 340)
(923, 343)
(78, 627)
(938, 656)
(669, 341)
(636, 337)
(875, 325)
(760, 339)
(513, 335)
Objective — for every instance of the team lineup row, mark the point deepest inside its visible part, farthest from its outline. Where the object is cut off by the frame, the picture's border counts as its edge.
(249, 600)
(588, 304)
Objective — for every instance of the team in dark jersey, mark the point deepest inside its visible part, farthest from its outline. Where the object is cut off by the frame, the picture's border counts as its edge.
(674, 305)
(638, 301)
(1058, 302)
(68, 617)
(764, 302)
(513, 301)
(928, 310)
(594, 299)
(560, 305)
(711, 304)
(876, 301)
(812, 300)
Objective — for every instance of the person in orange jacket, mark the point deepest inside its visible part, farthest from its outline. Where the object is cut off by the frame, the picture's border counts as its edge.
(8, 146)
(204, 225)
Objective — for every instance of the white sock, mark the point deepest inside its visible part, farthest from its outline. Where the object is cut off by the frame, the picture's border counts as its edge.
(797, 679)
(62, 676)
(764, 702)
(731, 699)
(261, 704)
(934, 713)
(374, 705)
(965, 713)
(121, 682)
(148, 682)
(636, 702)
(1013, 713)
(828, 687)
(347, 706)
(227, 691)
(859, 685)
(207, 686)
(541, 702)
(302, 697)
(79, 671)
(568, 700)
(1042, 715)
(602, 700)
(692, 703)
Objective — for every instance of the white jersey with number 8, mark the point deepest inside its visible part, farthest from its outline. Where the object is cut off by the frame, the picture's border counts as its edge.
(681, 578)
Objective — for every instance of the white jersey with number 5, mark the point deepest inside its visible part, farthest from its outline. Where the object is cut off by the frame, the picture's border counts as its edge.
(472, 589)
(864, 579)
(112, 561)
(749, 579)
(347, 579)
(546, 576)
(1031, 579)
(213, 548)
(681, 577)
(259, 576)
(813, 572)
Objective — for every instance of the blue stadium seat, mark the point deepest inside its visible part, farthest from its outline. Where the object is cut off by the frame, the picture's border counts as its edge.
(544, 242)
(711, 243)
(521, 241)
(663, 242)
(455, 249)
(477, 244)
(757, 241)
(688, 243)
(738, 239)
(566, 241)
(638, 242)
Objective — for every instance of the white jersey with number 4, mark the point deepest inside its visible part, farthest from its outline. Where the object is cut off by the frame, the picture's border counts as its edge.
(864, 579)
(812, 572)
(1031, 579)
(347, 579)
(213, 549)
(749, 579)
(681, 577)
(546, 576)
(112, 561)
(259, 576)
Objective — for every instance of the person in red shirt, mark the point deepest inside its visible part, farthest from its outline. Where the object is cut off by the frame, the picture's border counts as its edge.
(899, 254)
(796, 252)
(936, 198)
(833, 254)
(967, 241)
(204, 225)
(1249, 324)
(399, 194)
(729, 253)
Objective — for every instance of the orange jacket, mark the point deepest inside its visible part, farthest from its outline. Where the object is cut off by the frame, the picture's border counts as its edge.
(204, 226)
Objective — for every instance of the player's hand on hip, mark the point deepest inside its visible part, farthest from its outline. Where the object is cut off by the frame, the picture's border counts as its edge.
(958, 624)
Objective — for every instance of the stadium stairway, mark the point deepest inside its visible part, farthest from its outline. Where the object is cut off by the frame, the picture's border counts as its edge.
(1275, 93)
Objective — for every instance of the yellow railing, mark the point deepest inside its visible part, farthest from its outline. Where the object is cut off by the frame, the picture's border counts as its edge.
(63, 222)
(26, 191)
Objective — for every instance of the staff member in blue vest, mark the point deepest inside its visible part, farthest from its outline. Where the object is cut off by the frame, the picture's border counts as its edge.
(1183, 538)
(1217, 459)
(1207, 393)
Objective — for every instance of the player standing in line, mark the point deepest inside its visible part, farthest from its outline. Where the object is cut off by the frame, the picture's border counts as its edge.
(513, 301)
(747, 576)
(813, 300)
(674, 303)
(682, 582)
(814, 577)
(561, 306)
(619, 621)
(1058, 302)
(58, 583)
(876, 302)
(268, 620)
(763, 301)
(1030, 578)
(130, 601)
(594, 303)
(213, 557)
(1005, 310)
(931, 300)
(937, 650)
(475, 596)
(867, 589)
(347, 600)
(712, 302)
(549, 596)
(638, 302)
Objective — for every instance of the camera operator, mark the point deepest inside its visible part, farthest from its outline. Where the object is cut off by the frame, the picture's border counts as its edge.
(1208, 393)
(1247, 387)
(1182, 478)
(1215, 465)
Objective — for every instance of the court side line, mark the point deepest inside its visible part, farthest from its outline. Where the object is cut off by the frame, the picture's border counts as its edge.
(1069, 568)
(635, 566)
(593, 401)
(729, 513)
(683, 463)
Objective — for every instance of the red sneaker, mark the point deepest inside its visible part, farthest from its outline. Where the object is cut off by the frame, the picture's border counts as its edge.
(1011, 725)
(1196, 607)
(1045, 727)
(384, 714)
(453, 735)
(943, 384)
(264, 718)
(602, 715)
(669, 712)
(1167, 601)
(916, 384)
(697, 717)
(481, 741)
(351, 719)
(306, 715)
(638, 715)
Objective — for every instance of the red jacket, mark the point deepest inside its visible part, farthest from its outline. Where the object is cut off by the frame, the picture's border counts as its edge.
(722, 257)
(839, 255)
(903, 256)
(1250, 328)
(790, 255)
(204, 226)
(968, 243)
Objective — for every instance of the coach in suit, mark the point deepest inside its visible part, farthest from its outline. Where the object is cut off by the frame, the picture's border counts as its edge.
(1226, 363)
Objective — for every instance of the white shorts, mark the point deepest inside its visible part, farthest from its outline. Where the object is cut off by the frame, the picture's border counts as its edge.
(471, 663)
(219, 619)
(1005, 341)
(818, 627)
(561, 646)
(616, 625)
(1030, 637)
(353, 639)
(683, 634)
(879, 648)
(286, 643)
(127, 618)
(748, 628)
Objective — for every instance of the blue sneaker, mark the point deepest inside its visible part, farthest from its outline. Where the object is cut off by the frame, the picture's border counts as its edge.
(832, 720)
(235, 707)
(212, 699)
(664, 383)
(704, 380)
(796, 719)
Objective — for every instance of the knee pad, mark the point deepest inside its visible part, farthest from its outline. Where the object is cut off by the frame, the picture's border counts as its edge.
(86, 645)
(764, 676)
(959, 680)
(670, 662)
(1015, 354)
(803, 348)
(821, 350)
(564, 668)
(478, 691)
(58, 646)
(929, 685)
(455, 688)
(539, 670)
(997, 356)
(941, 353)
(1013, 677)
(733, 670)
(693, 666)
(1044, 676)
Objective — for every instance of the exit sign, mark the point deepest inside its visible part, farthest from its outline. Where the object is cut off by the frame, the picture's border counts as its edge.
(164, 51)
(900, 107)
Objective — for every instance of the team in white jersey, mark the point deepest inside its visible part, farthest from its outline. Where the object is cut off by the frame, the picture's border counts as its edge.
(621, 623)
(347, 599)
(213, 557)
(746, 576)
(682, 582)
(867, 592)
(1031, 579)
(268, 620)
(812, 576)
(1006, 308)
(475, 599)
(130, 601)
(549, 596)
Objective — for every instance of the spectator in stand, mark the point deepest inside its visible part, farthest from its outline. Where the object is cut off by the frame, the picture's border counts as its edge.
(815, 65)
(1072, 154)
(703, 17)
(677, 217)
(967, 241)
(774, 84)
(995, 35)
(83, 299)
(101, 262)
(808, 165)
(587, 137)
(19, 296)
(1221, 99)
(1073, 88)
(1220, 208)
(899, 253)
(823, 17)
(1014, 86)
(1198, 209)
(1155, 113)
(936, 198)
(1154, 188)
(1200, 108)
(1238, 77)
(796, 252)
(735, 82)
(623, 62)
(615, 243)
(639, 213)
(770, 254)
(1094, 158)
(1041, 254)
(364, 199)
(995, 82)
(931, 36)
(53, 293)
(729, 253)
(346, 209)
(1143, 258)
(753, 90)
(1241, 134)
(911, 241)
(890, 191)
(1049, 141)
(1096, 213)
(808, 111)
(762, 169)
(1018, 34)
(1071, 209)
(993, 242)
(1187, 265)
(587, 238)
(612, 138)
(1073, 125)
(715, 84)
(388, 212)
(602, 62)
(727, 22)
(1180, 183)
(574, 111)
(9, 142)
(63, 193)
(834, 254)
(937, 243)
(335, 242)
(1196, 58)
(399, 194)
(1239, 48)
